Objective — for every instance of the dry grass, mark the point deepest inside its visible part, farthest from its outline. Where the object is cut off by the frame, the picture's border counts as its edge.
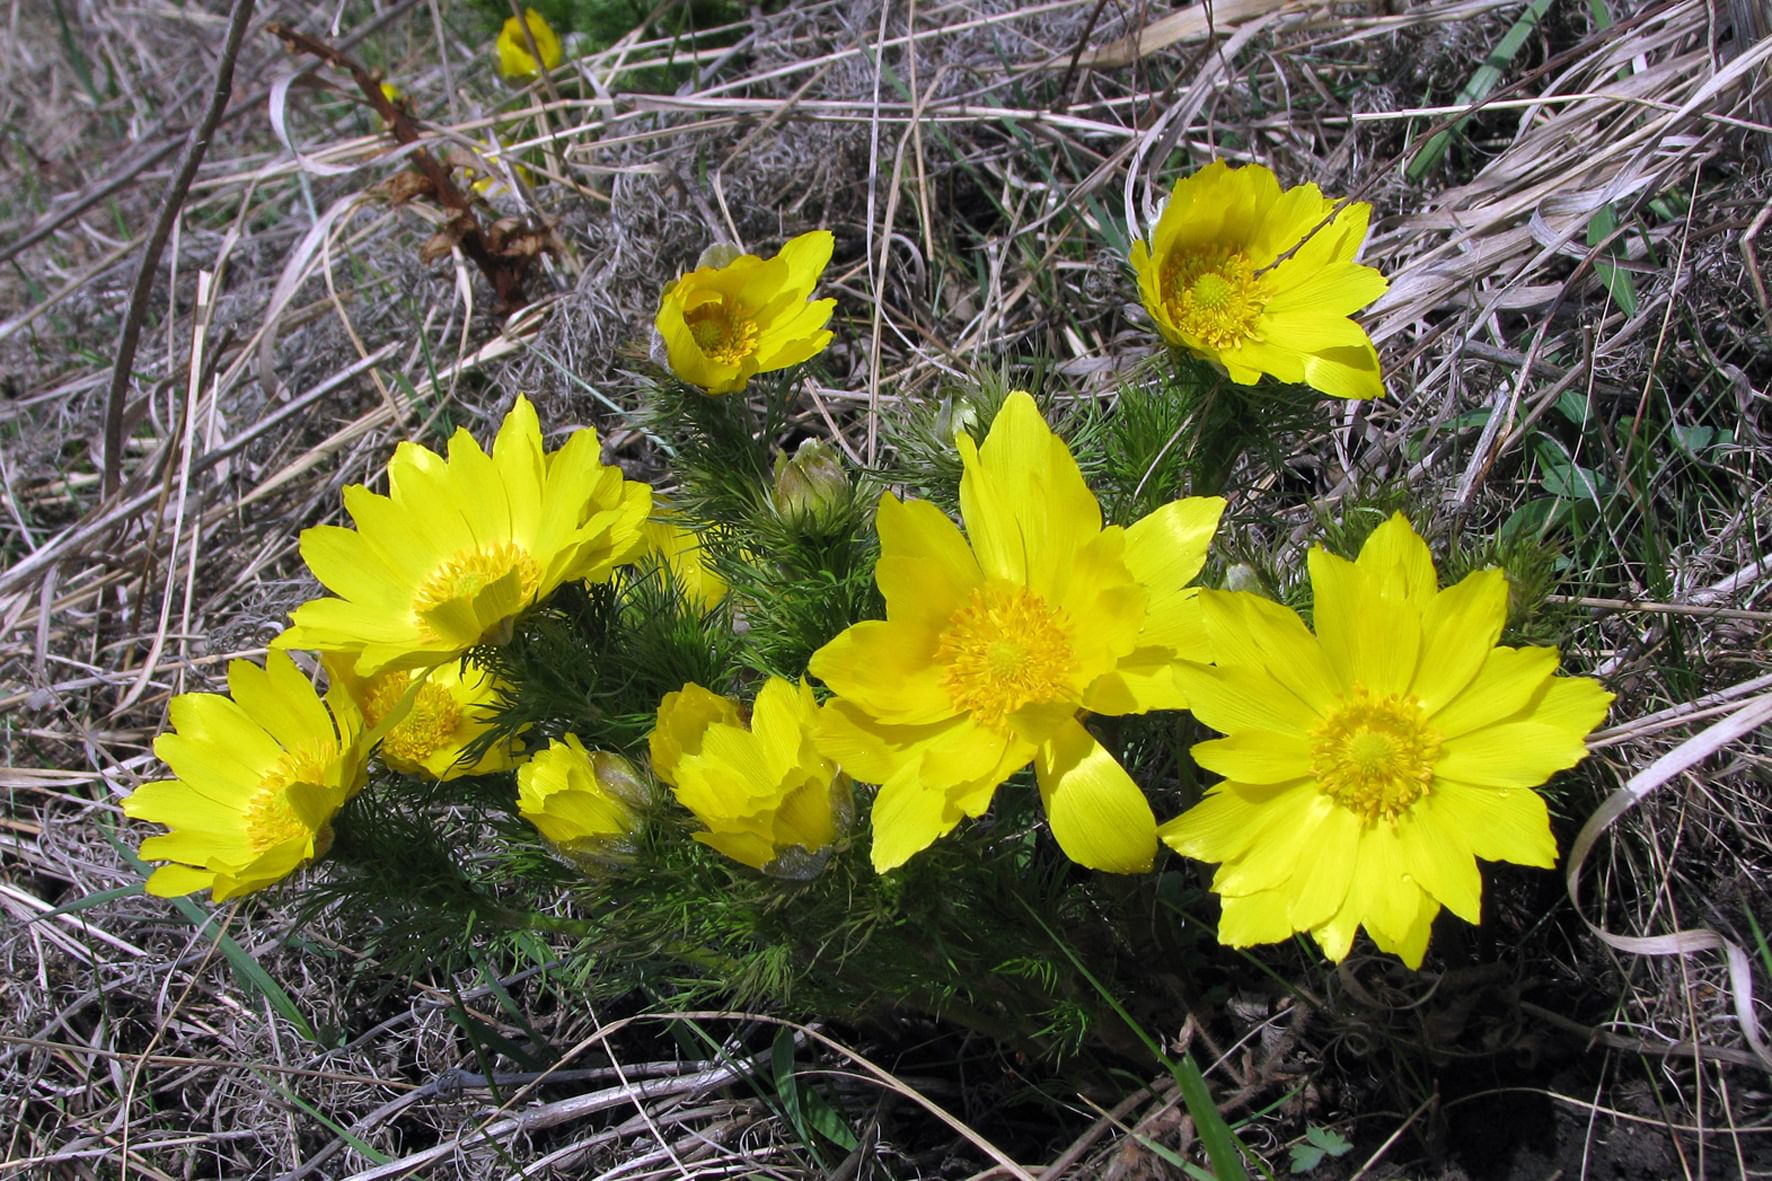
(976, 161)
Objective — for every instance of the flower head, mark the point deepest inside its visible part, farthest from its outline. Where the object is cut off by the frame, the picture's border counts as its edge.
(259, 778)
(1263, 281)
(426, 730)
(514, 57)
(1368, 766)
(995, 641)
(585, 803)
(768, 799)
(737, 315)
(459, 547)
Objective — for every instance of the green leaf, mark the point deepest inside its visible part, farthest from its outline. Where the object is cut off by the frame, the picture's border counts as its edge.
(1615, 277)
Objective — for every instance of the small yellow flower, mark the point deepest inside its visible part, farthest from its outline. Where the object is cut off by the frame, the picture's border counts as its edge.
(1368, 766)
(768, 798)
(259, 779)
(514, 58)
(996, 642)
(426, 731)
(459, 547)
(680, 548)
(737, 315)
(585, 803)
(1263, 281)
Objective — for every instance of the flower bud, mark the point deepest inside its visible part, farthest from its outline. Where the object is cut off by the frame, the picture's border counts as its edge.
(810, 488)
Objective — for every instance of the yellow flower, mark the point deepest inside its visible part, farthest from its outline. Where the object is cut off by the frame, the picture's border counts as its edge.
(460, 546)
(1368, 766)
(514, 58)
(259, 778)
(768, 798)
(994, 643)
(1219, 281)
(682, 552)
(737, 315)
(447, 713)
(583, 802)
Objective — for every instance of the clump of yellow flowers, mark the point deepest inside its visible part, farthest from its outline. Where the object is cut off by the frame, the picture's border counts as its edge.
(531, 632)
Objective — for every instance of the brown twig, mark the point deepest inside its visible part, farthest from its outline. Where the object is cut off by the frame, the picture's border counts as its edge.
(504, 270)
(195, 149)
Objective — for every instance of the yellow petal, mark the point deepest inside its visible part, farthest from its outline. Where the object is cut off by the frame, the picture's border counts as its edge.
(1399, 563)
(1369, 631)
(1236, 697)
(1099, 817)
(1026, 507)
(174, 881)
(1509, 681)
(1439, 857)
(1459, 630)
(1256, 757)
(1510, 754)
(1247, 630)
(908, 817)
(926, 569)
(1250, 919)
(887, 669)
(1501, 824)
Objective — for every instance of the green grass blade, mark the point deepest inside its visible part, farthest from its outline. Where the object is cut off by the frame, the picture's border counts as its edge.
(1481, 84)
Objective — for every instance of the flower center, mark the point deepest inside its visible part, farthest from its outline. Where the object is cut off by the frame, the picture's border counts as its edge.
(270, 821)
(460, 579)
(1213, 296)
(1375, 755)
(428, 726)
(1005, 648)
(722, 332)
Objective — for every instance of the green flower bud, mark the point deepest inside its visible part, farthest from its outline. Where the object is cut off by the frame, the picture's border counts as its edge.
(811, 488)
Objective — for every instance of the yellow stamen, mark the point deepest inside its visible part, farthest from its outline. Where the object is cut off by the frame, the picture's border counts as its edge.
(1005, 648)
(1375, 755)
(270, 821)
(1213, 296)
(722, 331)
(467, 574)
(427, 728)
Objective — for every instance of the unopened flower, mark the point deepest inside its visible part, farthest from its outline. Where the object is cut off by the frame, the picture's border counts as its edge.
(514, 57)
(260, 776)
(427, 728)
(1368, 766)
(997, 641)
(811, 488)
(1263, 281)
(585, 803)
(737, 315)
(459, 547)
(765, 795)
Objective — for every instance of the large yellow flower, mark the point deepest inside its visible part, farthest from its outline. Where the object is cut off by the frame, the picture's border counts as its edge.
(512, 48)
(737, 315)
(1263, 281)
(259, 778)
(585, 803)
(995, 642)
(459, 547)
(1368, 766)
(768, 798)
(426, 731)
